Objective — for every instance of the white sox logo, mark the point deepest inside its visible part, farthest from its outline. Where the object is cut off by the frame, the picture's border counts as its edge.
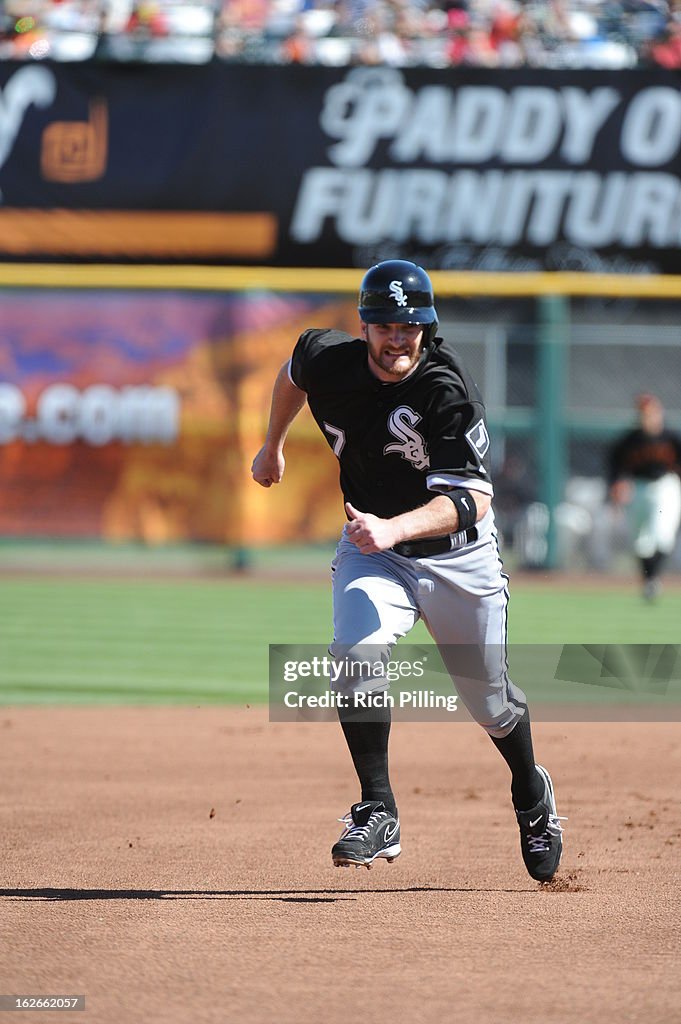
(412, 446)
(397, 292)
(478, 438)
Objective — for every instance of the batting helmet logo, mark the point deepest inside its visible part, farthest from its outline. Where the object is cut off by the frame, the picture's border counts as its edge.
(397, 292)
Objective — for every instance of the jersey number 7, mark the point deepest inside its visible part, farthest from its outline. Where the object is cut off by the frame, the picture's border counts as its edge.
(338, 435)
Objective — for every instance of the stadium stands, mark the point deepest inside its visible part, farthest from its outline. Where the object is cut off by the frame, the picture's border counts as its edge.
(398, 33)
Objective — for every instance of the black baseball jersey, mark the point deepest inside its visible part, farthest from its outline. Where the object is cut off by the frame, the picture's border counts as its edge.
(397, 443)
(645, 456)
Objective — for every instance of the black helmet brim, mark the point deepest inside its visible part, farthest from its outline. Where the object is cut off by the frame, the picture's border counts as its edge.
(395, 315)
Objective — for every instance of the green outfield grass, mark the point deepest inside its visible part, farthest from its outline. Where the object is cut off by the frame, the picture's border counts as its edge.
(187, 641)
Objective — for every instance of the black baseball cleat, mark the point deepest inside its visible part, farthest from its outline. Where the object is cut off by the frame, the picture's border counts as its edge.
(370, 832)
(541, 839)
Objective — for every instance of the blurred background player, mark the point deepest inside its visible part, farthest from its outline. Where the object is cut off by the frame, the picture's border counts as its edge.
(644, 468)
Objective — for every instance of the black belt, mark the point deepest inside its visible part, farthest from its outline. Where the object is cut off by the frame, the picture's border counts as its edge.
(436, 545)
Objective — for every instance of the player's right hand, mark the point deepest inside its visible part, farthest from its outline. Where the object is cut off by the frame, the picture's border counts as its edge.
(268, 467)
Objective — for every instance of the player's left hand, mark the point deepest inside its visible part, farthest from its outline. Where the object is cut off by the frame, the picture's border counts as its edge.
(368, 532)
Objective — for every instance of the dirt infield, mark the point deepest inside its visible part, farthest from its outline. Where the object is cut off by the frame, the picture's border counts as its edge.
(173, 865)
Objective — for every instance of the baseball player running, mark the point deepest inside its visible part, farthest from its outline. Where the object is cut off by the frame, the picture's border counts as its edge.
(643, 471)
(407, 424)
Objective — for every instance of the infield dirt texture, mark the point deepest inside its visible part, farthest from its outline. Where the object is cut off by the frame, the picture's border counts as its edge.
(172, 863)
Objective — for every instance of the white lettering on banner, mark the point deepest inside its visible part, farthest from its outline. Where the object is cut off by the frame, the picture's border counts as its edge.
(426, 134)
(474, 202)
(586, 113)
(591, 216)
(57, 410)
(653, 211)
(533, 126)
(651, 133)
(373, 116)
(369, 209)
(148, 414)
(532, 206)
(321, 195)
(97, 415)
(472, 124)
(490, 207)
(26, 86)
(420, 205)
(12, 409)
(361, 110)
(477, 124)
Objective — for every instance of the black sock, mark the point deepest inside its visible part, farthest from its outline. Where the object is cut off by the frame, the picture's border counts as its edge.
(646, 568)
(651, 567)
(516, 749)
(368, 745)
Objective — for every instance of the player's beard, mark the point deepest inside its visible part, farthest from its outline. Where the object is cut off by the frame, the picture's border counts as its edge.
(397, 361)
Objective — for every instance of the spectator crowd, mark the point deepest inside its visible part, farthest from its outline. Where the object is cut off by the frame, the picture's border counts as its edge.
(398, 33)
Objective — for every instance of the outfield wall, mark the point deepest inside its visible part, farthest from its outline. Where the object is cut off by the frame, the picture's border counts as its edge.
(130, 415)
(458, 168)
(132, 402)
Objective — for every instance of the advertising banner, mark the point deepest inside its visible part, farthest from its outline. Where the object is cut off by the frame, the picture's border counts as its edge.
(302, 166)
(136, 416)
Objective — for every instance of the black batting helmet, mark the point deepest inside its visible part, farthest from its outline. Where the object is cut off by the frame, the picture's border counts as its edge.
(397, 292)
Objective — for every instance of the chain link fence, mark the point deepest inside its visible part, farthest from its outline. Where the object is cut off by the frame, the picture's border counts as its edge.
(609, 352)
